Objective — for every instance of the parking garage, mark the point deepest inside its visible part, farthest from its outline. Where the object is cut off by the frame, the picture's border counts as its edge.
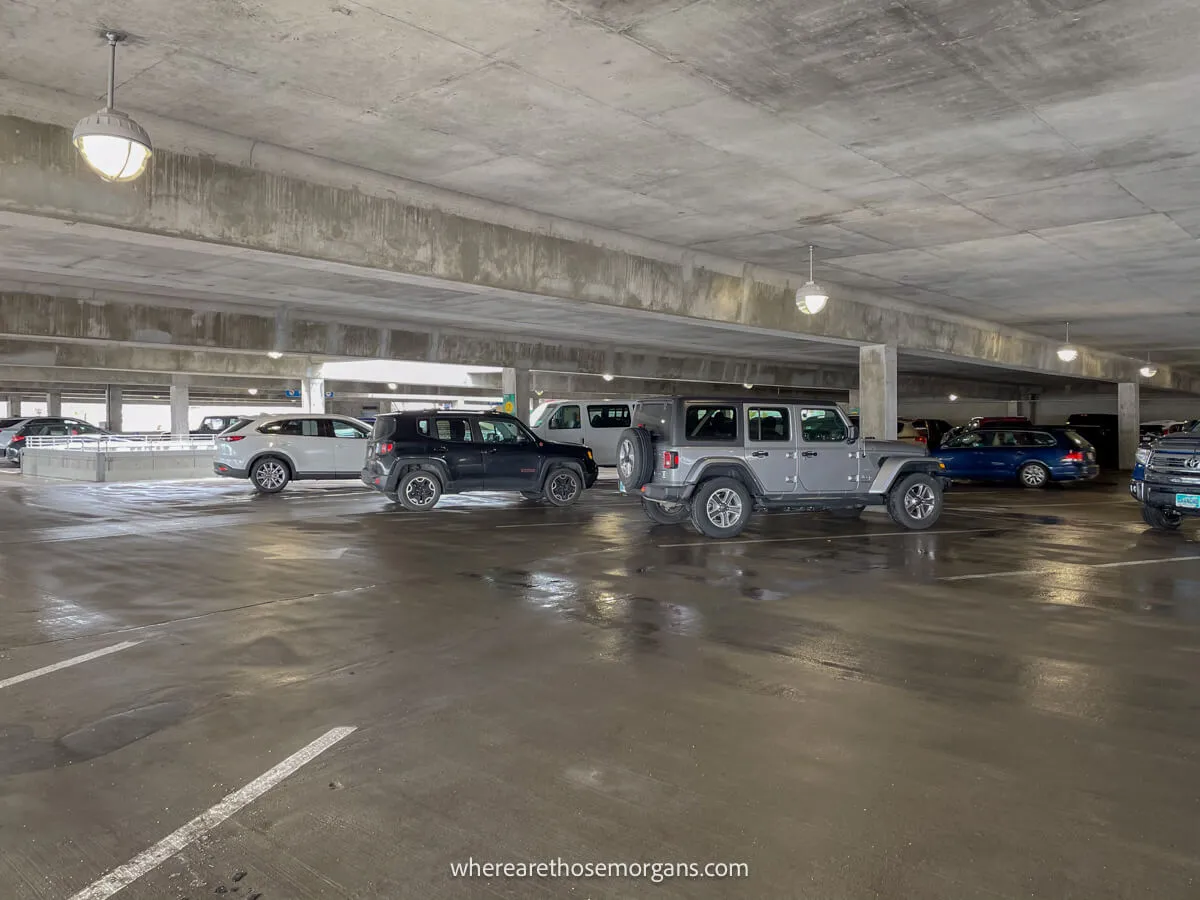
(355, 210)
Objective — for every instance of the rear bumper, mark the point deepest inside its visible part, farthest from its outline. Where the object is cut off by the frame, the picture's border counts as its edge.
(1075, 472)
(373, 479)
(666, 493)
(228, 471)
(1163, 497)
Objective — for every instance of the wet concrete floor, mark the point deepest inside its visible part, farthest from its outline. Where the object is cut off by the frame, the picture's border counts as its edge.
(1008, 706)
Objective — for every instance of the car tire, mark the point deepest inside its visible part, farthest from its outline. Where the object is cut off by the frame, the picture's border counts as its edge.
(563, 487)
(915, 502)
(1034, 476)
(419, 490)
(721, 507)
(852, 512)
(270, 474)
(666, 513)
(1161, 519)
(635, 458)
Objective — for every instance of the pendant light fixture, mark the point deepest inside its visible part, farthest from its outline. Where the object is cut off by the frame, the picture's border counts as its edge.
(116, 147)
(1066, 352)
(811, 297)
(1149, 370)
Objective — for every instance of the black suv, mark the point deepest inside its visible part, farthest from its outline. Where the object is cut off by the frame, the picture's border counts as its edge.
(415, 457)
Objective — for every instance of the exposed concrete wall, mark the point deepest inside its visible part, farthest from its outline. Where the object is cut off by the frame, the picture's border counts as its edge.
(203, 199)
(877, 392)
(1129, 417)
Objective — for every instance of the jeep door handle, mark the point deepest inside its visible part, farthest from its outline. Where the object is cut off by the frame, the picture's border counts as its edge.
(809, 454)
(760, 454)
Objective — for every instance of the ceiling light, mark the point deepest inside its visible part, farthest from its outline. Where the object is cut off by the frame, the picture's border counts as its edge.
(391, 385)
(252, 391)
(116, 147)
(1066, 352)
(953, 397)
(274, 354)
(607, 376)
(1149, 370)
(747, 386)
(811, 297)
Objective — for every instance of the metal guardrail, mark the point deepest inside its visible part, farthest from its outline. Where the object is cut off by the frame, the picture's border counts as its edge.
(107, 443)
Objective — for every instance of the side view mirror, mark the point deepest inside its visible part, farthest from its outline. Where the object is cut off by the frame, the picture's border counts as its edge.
(852, 434)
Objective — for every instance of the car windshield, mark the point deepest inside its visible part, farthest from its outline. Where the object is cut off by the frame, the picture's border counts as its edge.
(539, 413)
(1075, 438)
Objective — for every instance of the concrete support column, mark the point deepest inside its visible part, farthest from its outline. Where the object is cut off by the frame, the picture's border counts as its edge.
(877, 383)
(517, 391)
(180, 397)
(54, 403)
(1129, 418)
(113, 406)
(312, 394)
(13, 405)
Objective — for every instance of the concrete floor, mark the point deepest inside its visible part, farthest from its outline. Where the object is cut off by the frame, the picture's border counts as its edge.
(832, 704)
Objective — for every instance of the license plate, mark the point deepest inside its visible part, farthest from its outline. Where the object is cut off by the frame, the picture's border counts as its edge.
(1187, 501)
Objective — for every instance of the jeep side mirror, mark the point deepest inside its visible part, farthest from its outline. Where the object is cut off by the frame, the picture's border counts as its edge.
(852, 434)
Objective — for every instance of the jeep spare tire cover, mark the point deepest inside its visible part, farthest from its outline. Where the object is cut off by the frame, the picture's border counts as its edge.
(635, 458)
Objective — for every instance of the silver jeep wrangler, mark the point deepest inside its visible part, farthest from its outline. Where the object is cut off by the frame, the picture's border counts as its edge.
(715, 461)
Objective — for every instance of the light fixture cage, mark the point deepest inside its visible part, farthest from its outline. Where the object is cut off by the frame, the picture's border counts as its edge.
(113, 145)
(811, 297)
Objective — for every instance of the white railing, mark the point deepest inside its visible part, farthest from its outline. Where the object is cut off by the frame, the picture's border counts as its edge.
(108, 443)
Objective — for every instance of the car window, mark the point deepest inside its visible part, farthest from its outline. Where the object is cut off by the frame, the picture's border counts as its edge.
(1036, 439)
(655, 417)
(453, 428)
(710, 423)
(500, 431)
(538, 414)
(765, 424)
(289, 427)
(970, 439)
(566, 418)
(1079, 441)
(1004, 439)
(616, 416)
(344, 429)
(822, 426)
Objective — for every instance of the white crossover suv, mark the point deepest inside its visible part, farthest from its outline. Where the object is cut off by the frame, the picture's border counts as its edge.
(273, 450)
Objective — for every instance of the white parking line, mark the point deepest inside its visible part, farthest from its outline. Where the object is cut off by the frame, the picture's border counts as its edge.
(123, 876)
(1047, 570)
(67, 663)
(823, 537)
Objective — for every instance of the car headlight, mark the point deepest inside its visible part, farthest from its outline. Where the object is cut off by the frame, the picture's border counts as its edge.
(1143, 455)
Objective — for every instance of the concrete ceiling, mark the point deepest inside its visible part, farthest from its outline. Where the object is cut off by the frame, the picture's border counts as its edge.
(1022, 161)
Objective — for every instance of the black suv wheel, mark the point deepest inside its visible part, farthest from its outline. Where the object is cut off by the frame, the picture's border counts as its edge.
(666, 513)
(419, 490)
(721, 507)
(635, 458)
(1162, 519)
(916, 502)
(563, 486)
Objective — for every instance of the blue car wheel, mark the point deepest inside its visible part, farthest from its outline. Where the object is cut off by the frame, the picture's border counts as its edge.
(1034, 475)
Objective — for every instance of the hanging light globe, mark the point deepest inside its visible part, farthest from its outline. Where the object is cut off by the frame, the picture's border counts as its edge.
(115, 146)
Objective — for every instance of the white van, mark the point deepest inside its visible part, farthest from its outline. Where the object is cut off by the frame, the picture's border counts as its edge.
(596, 424)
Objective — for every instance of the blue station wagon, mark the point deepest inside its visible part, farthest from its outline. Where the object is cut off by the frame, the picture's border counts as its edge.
(1034, 456)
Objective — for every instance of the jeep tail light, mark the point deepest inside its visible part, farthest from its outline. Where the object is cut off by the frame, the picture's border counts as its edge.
(386, 447)
(1074, 456)
(231, 437)
(670, 459)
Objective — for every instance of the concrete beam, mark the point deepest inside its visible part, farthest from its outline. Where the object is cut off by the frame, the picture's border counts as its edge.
(143, 326)
(53, 350)
(393, 225)
(814, 385)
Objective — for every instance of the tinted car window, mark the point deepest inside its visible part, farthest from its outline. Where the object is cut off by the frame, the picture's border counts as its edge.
(9, 423)
(616, 416)
(289, 427)
(822, 426)
(453, 428)
(1080, 442)
(768, 424)
(711, 423)
(566, 418)
(655, 417)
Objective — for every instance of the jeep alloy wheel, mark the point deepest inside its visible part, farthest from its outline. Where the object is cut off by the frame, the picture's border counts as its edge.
(920, 501)
(724, 507)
